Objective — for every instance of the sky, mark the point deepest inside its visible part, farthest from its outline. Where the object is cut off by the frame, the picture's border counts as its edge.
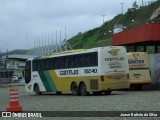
(23, 23)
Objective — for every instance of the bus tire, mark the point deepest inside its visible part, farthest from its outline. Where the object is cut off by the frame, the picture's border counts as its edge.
(107, 92)
(36, 89)
(74, 89)
(83, 89)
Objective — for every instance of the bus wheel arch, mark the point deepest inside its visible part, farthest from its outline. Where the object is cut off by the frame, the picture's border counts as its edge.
(83, 89)
(36, 89)
(74, 88)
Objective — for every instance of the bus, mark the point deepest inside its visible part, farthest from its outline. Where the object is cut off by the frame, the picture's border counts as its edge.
(98, 70)
(139, 69)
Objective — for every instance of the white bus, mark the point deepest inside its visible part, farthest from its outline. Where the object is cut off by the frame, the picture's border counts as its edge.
(96, 70)
(139, 69)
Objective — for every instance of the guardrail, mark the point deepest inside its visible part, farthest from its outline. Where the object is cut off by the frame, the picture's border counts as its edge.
(5, 82)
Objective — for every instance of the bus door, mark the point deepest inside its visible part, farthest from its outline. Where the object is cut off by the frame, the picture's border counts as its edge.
(28, 72)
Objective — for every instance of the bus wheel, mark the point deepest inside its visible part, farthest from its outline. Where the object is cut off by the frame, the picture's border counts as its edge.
(36, 89)
(83, 89)
(74, 89)
(107, 92)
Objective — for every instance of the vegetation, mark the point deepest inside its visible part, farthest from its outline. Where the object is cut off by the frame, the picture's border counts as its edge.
(101, 36)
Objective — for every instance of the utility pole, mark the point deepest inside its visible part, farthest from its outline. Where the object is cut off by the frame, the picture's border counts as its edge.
(103, 18)
(142, 3)
(60, 41)
(42, 40)
(52, 37)
(65, 40)
(56, 43)
(122, 7)
(48, 38)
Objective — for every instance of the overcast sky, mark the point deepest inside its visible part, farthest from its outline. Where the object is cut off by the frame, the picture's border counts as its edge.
(24, 21)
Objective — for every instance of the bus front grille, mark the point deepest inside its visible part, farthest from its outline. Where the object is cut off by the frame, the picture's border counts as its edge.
(94, 84)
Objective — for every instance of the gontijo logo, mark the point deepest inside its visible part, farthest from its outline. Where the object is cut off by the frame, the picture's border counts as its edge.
(135, 55)
(114, 52)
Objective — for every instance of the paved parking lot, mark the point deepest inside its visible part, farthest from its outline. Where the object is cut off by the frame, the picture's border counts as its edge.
(147, 100)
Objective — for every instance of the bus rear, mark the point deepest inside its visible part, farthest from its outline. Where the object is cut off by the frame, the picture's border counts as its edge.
(115, 68)
(139, 69)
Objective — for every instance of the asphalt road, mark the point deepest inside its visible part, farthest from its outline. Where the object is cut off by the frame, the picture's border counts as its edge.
(148, 100)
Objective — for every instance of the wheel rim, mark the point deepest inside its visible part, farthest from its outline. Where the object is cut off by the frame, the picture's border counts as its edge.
(37, 90)
(74, 89)
(83, 89)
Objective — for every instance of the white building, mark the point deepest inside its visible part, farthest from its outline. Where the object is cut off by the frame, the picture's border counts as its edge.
(16, 63)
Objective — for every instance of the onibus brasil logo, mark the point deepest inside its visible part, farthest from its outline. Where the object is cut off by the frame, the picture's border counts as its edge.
(114, 52)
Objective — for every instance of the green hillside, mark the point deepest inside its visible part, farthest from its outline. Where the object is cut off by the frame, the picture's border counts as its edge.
(102, 36)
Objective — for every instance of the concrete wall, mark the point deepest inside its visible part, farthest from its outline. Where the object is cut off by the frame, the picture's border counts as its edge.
(155, 67)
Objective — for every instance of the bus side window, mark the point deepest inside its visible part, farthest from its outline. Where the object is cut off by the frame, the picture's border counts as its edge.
(89, 59)
(34, 65)
(42, 64)
(56, 63)
(66, 62)
(51, 63)
(95, 59)
(77, 61)
(82, 59)
(47, 64)
(38, 65)
(71, 62)
(59, 63)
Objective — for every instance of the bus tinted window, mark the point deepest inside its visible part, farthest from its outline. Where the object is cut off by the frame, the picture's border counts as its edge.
(66, 62)
(59, 63)
(47, 64)
(34, 65)
(72, 61)
(95, 59)
(80, 60)
(43, 64)
(38, 64)
(51, 63)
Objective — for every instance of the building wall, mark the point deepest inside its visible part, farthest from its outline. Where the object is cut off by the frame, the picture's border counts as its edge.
(16, 65)
(143, 33)
(155, 68)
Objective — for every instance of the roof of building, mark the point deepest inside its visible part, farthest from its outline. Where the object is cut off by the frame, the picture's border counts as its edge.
(142, 35)
(19, 56)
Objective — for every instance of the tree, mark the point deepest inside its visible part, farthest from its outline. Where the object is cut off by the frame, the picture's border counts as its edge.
(135, 5)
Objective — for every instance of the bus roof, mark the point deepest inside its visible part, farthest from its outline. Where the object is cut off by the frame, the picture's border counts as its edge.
(73, 52)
